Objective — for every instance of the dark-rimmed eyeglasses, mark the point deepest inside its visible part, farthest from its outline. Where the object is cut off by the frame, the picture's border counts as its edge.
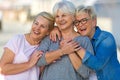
(81, 22)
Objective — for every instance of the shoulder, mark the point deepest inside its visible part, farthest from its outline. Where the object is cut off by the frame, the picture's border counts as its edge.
(14, 43)
(105, 34)
(82, 38)
(106, 38)
(16, 38)
(46, 40)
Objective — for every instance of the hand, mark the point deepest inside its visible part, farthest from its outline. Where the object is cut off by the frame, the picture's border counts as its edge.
(69, 46)
(34, 57)
(54, 34)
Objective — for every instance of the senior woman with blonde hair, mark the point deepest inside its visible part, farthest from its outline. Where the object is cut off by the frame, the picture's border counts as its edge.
(18, 62)
(61, 62)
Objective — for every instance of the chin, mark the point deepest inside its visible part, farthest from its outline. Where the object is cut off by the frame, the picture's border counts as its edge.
(82, 34)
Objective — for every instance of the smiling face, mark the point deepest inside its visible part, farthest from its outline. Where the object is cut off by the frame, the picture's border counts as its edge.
(63, 20)
(88, 26)
(40, 28)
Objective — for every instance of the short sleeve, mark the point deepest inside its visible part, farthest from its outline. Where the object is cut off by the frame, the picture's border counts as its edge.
(44, 46)
(13, 43)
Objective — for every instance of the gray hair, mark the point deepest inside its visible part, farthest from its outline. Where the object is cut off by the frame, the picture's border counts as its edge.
(65, 6)
(47, 16)
(87, 9)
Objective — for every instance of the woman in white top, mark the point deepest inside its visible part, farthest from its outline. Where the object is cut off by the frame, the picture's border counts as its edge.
(17, 63)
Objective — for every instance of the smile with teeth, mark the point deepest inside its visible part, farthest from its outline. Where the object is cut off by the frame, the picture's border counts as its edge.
(82, 29)
(36, 32)
(62, 23)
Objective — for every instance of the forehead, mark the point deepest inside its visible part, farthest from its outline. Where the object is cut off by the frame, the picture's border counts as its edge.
(60, 12)
(82, 15)
(42, 20)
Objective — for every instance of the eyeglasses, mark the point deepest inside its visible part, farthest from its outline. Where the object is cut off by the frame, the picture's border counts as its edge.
(81, 22)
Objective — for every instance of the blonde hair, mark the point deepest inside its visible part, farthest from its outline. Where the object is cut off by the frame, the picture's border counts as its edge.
(47, 16)
(65, 6)
(87, 9)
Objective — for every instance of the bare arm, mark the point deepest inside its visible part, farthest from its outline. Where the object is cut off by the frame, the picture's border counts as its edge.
(55, 33)
(53, 55)
(8, 67)
(75, 60)
(81, 53)
(68, 48)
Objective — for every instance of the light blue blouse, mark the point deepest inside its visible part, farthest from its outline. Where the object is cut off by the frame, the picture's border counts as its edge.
(63, 68)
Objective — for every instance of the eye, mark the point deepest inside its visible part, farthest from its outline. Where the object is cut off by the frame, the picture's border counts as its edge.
(63, 15)
(42, 26)
(56, 16)
(84, 20)
(36, 23)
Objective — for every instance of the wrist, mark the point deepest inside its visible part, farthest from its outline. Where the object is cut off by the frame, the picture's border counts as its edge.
(61, 52)
(81, 52)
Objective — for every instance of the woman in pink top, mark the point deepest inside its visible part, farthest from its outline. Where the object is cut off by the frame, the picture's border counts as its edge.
(18, 62)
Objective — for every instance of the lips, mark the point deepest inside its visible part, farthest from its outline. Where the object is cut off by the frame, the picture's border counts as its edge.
(62, 23)
(83, 29)
(36, 32)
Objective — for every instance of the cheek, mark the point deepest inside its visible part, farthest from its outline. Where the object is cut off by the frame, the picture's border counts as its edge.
(45, 32)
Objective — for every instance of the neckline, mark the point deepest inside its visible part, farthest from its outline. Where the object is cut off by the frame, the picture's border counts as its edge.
(28, 42)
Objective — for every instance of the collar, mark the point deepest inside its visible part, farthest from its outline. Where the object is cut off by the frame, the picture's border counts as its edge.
(97, 33)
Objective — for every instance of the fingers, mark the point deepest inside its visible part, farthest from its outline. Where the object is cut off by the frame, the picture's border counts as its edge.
(53, 37)
(70, 46)
(58, 34)
(54, 34)
(37, 54)
(78, 48)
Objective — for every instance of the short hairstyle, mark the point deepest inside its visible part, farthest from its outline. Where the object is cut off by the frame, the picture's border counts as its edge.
(65, 6)
(47, 16)
(87, 9)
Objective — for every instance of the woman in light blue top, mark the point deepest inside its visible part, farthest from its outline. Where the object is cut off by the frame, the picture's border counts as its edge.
(61, 62)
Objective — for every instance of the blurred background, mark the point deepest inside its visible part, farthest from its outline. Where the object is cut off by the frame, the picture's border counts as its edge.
(16, 16)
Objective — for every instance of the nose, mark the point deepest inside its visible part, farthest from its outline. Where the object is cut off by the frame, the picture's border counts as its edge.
(38, 27)
(60, 18)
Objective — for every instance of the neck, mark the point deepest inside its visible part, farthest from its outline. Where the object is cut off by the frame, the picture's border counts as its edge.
(33, 41)
(70, 34)
(92, 34)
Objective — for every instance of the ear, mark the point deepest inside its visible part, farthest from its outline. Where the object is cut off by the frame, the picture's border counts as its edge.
(94, 22)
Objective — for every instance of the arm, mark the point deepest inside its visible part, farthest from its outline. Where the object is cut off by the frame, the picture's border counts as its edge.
(77, 61)
(55, 33)
(51, 56)
(104, 50)
(48, 56)
(8, 67)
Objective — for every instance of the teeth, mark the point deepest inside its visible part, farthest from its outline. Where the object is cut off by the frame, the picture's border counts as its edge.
(36, 32)
(61, 23)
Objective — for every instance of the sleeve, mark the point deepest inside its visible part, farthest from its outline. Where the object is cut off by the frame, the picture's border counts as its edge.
(44, 46)
(12, 44)
(104, 50)
(83, 69)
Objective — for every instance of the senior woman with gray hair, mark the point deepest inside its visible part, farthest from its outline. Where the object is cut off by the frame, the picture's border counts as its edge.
(61, 62)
